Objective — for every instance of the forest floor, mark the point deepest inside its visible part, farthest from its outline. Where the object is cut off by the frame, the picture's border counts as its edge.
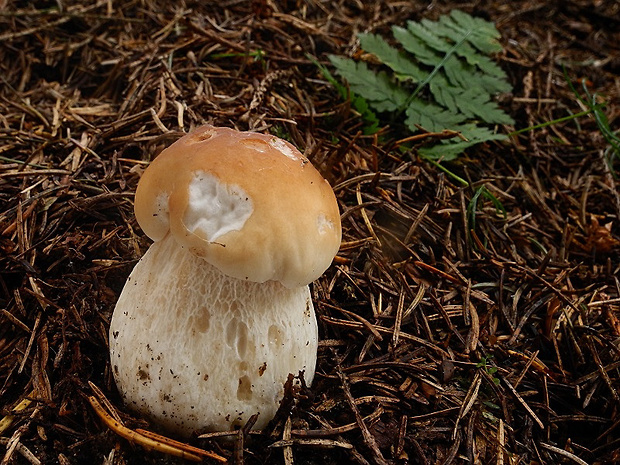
(443, 340)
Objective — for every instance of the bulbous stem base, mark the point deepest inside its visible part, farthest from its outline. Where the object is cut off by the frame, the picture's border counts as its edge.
(193, 349)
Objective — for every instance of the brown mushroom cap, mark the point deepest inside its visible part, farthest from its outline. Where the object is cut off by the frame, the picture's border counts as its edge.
(250, 204)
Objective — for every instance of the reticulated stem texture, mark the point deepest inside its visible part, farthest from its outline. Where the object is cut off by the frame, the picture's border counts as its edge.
(194, 349)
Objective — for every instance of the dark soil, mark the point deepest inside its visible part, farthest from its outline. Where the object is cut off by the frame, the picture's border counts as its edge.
(442, 341)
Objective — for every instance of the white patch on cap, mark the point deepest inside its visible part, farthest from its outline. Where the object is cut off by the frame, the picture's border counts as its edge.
(160, 223)
(162, 211)
(324, 225)
(255, 144)
(215, 208)
(283, 148)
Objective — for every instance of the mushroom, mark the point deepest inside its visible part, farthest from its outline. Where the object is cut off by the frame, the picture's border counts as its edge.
(218, 312)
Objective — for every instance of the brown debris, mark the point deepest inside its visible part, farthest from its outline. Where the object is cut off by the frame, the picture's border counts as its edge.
(441, 341)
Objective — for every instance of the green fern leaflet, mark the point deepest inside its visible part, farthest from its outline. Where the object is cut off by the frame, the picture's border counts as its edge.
(439, 75)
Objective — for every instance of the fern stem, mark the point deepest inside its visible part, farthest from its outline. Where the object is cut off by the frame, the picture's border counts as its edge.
(457, 178)
(601, 120)
(556, 121)
(432, 74)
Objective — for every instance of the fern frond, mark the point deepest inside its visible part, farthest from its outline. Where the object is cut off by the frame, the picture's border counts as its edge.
(472, 102)
(481, 68)
(368, 116)
(459, 73)
(482, 34)
(416, 47)
(430, 35)
(449, 56)
(377, 88)
(358, 102)
(450, 149)
(396, 59)
(431, 117)
(492, 83)
(482, 62)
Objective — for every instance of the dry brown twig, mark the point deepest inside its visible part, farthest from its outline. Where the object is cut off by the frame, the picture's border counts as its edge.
(147, 439)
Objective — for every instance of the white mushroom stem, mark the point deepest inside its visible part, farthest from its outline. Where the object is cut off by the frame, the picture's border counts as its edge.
(193, 348)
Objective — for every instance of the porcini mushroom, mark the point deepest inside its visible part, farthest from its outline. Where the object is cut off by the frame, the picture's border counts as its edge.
(218, 312)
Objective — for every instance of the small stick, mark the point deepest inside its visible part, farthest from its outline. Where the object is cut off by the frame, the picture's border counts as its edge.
(241, 435)
(106, 403)
(367, 222)
(501, 442)
(318, 433)
(7, 421)
(564, 453)
(327, 443)
(468, 402)
(438, 272)
(399, 318)
(368, 437)
(523, 403)
(12, 446)
(23, 450)
(152, 441)
(287, 451)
